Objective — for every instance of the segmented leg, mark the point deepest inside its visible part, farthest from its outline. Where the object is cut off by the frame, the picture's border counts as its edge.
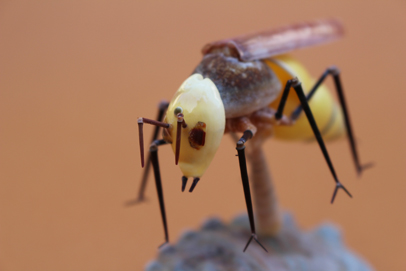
(299, 91)
(141, 191)
(155, 164)
(245, 182)
(267, 212)
(335, 73)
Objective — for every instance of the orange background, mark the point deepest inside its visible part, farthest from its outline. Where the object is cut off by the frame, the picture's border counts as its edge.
(74, 77)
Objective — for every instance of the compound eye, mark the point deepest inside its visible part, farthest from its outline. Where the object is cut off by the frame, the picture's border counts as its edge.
(197, 136)
(178, 110)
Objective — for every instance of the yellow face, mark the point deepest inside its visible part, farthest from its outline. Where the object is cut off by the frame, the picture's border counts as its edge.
(200, 103)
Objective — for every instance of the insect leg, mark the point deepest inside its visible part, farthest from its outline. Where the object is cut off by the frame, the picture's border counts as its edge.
(155, 164)
(245, 182)
(299, 91)
(180, 124)
(279, 112)
(141, 191)
(335, 72)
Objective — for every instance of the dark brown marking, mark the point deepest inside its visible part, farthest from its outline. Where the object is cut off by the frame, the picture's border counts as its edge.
(197, 136)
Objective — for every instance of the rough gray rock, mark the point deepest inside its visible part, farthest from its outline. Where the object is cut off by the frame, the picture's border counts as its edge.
(219, 247)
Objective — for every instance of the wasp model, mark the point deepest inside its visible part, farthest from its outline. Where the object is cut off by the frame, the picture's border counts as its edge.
(242, 86)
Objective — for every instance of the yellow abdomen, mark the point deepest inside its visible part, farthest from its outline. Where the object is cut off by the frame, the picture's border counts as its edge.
(326, 111)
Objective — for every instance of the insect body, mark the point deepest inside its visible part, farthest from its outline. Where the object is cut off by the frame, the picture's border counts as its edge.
(242, 86)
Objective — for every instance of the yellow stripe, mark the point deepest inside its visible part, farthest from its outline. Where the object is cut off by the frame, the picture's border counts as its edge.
(321, 103)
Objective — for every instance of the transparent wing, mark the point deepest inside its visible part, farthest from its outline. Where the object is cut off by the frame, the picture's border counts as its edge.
(273, 42)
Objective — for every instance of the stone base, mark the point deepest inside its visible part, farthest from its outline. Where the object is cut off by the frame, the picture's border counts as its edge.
(219, 247)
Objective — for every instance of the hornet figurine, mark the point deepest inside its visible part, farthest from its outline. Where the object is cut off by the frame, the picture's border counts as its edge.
(242, 86)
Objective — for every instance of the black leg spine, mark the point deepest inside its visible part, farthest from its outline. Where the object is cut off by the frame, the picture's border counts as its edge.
(155, 164)
(245, 182)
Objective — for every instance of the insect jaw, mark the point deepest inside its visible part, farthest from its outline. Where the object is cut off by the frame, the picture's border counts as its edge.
(192, 187)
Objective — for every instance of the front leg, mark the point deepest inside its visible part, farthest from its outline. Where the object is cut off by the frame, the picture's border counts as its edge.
(245, 182)
(158, 183)
(141, 191)
(267, 211)
(238, 125)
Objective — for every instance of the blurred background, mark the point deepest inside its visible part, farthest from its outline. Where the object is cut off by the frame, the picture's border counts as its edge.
(74, 77)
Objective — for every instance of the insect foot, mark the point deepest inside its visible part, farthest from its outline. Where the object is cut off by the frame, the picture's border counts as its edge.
(253, 236)
(338, 186)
